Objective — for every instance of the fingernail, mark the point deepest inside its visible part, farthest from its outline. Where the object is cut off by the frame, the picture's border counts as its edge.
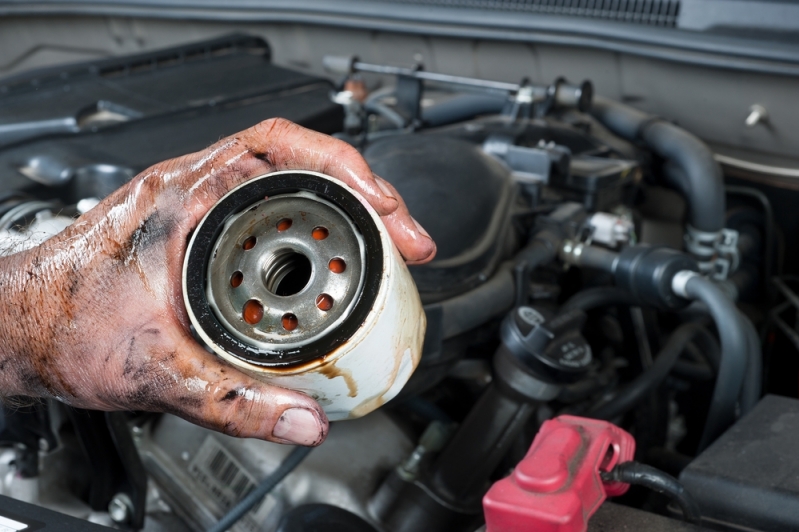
(386, 191)
(420, 228)
(298, 425)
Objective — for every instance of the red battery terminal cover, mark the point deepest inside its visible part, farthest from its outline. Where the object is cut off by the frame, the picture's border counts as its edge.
(556, 487)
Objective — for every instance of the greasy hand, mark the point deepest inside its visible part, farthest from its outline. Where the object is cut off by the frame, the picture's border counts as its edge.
(95, 316)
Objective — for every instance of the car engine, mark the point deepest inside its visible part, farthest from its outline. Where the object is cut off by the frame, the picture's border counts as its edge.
(608, 308)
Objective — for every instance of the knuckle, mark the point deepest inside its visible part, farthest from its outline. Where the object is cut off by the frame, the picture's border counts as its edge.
(272, 126)
(238, 414)
(347, 150)
(229, 422)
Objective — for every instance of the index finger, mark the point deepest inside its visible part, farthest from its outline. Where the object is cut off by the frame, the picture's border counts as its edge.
(277, 144)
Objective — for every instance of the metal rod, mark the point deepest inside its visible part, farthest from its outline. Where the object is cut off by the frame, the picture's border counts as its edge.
(440, 78)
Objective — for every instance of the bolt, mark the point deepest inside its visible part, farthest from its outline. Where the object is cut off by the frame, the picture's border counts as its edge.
(120, 508)
(757, 114)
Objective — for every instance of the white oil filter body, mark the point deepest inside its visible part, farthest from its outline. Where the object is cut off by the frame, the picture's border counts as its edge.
(293, 279)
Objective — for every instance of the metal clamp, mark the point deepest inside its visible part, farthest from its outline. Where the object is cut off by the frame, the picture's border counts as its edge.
(717, 252)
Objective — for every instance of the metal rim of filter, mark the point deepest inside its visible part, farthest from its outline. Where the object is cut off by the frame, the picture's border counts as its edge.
(260, 244)
(285, 271)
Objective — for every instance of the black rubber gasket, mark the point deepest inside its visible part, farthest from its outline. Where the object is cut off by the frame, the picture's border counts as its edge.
(211, 227)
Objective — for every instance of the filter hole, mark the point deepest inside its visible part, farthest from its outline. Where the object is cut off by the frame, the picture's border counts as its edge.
(253, 311)
(236, 279)
(287, 273)
(324, 302)
(248, 244)
(320, 233)
(337, 265)
(284, 224)
(290, 321)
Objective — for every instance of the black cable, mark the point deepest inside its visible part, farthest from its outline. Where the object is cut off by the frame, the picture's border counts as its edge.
(649, 379)
(639, 474)
(694, 371)
(261, 490)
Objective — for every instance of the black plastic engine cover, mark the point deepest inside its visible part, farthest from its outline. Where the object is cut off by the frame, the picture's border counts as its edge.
(749, 478)
(460, 195)
(104, 121)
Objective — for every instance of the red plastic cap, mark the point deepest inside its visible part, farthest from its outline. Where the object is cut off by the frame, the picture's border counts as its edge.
(556, 487)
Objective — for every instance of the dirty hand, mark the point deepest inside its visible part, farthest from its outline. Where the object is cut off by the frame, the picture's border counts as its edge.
(95, 318)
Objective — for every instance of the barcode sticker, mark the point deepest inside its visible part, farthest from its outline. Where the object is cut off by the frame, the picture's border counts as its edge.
(227, 482)
(9, 525)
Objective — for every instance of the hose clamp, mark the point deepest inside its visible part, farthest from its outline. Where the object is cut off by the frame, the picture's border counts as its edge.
(717, 252)
(680, 280)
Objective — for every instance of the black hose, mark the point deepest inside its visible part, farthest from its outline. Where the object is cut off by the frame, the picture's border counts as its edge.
(542, 248)
(497, 295)
(574, 392)
(584, 388)
(707, 347)
(753, 383)
(288, 465)
(639, 474)
(734, 359)
(603, 296)
(770, 231)
(706, 354)
(690, 166)
(649, 379)
(493, 298)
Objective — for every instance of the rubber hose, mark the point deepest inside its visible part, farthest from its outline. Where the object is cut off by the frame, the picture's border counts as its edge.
(603, 296)
(706, 355)
(295, 457)
(497, 295)
(467, 311)
(649, 379)
(690, 168)
(768, 213)
(708, 347)
(752, 385)
(572, 393)
(734, 348)
(607, 296)
(463, 107)
(623, 120)
(639, 474)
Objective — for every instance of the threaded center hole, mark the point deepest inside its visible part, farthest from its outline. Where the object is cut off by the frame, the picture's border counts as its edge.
(287, 273)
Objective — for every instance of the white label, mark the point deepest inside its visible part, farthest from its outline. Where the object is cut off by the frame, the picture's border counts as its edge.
(9, 525)
(227, 482)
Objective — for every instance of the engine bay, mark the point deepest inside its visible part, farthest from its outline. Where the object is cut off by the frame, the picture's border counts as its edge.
(594, 263)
